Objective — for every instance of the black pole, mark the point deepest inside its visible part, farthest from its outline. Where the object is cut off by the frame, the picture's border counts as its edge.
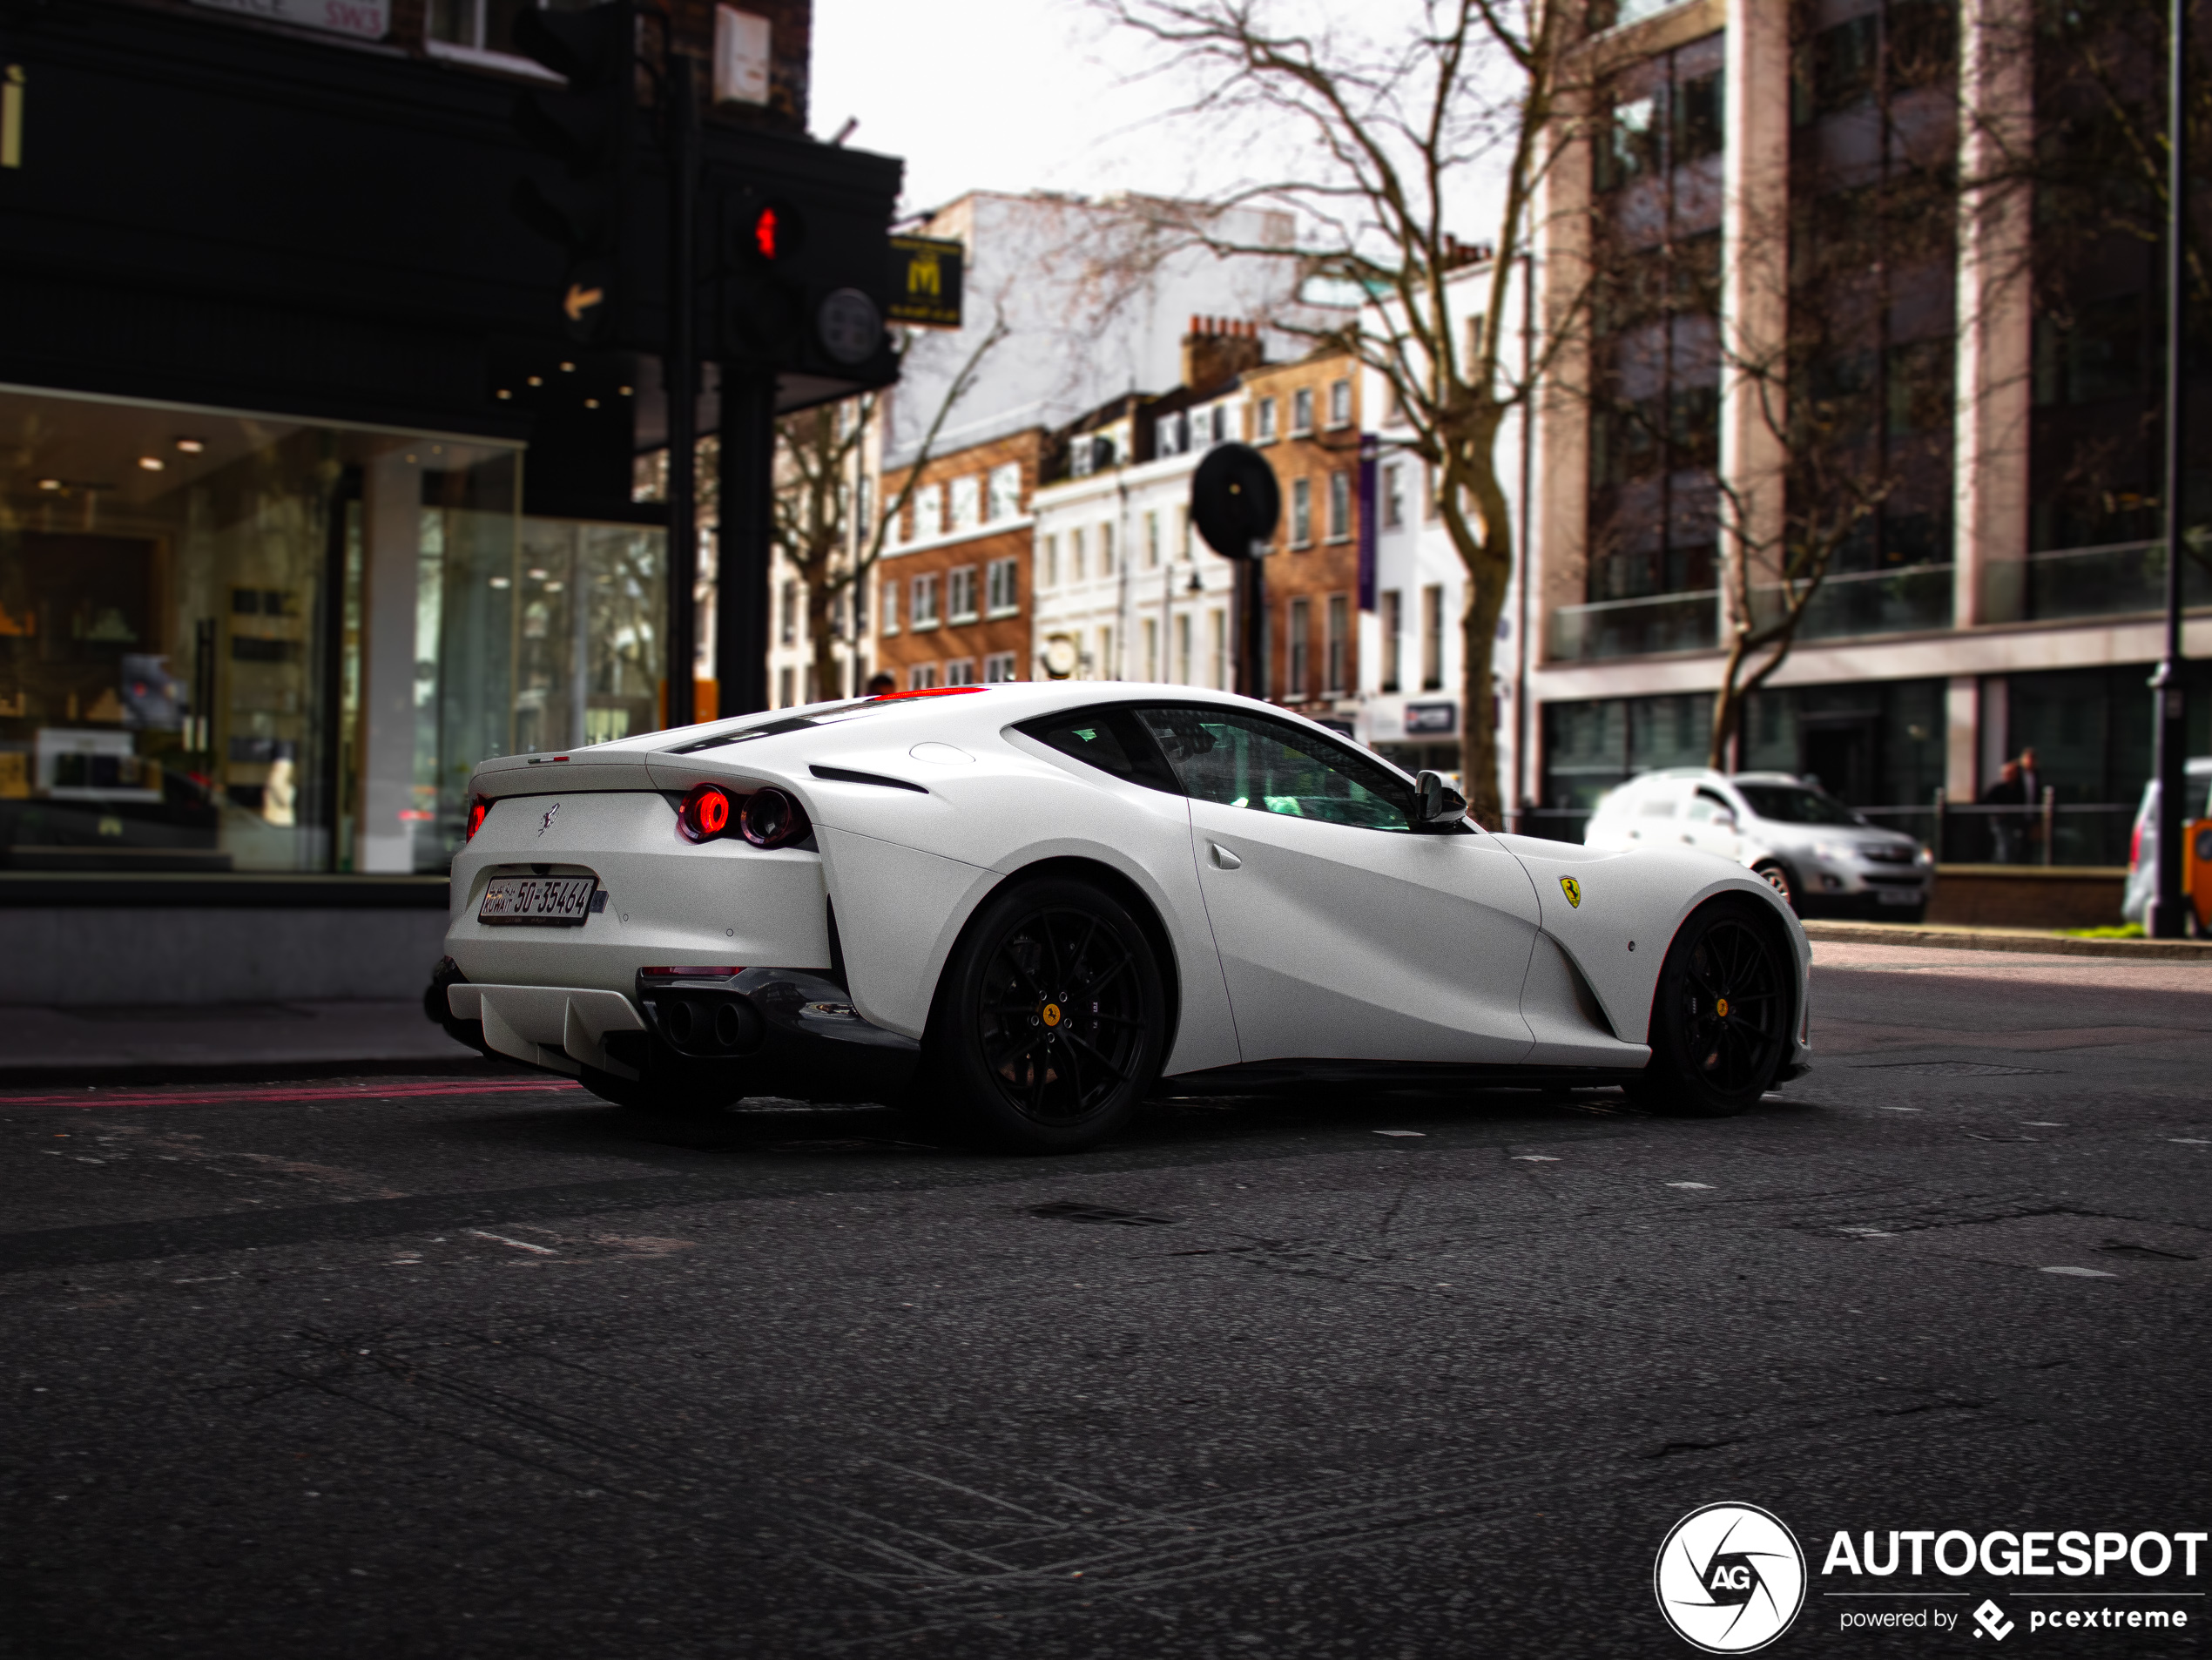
(679, 370)
(745, 538)
(2168, 908)
(1251, 599)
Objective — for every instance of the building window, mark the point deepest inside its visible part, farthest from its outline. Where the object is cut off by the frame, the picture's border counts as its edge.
(1106, 655)
(1152, 648)
(961, 672)
(1182, 648)
(1339, 506)
(784, 686)
(1218, 628)
(1003, 578)
(967, 502)
(1340, 645)
(998, 668)
(477, 25)
(1394, 496)
(890, 606)
(1431, 497)
(1301, 512)
(929, 512)
(1005, 501)
(1151, 541)
(1048, 561)
(1433, 636)
(1171, 435)
(787, 614)
(924, 614)
(1299, 643)
(921, 677)
(1105, 550)
(1263, 430)
(960, 596)
(1393, 612)
(1339, 403)
(1302, 411)
(1076, 553)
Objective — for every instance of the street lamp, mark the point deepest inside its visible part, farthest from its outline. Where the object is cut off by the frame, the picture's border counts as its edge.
(2167, 905)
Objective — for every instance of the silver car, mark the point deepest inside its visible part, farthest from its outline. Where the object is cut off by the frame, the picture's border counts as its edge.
(1812, 850)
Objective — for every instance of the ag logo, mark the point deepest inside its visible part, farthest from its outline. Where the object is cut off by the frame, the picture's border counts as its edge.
(1573, 889)
(1729, 1578)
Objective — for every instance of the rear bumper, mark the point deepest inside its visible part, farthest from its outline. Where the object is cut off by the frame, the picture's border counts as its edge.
(787, 1032)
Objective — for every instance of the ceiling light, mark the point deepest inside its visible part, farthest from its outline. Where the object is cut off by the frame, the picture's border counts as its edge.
(552, 587)
(591, 403)
(568, 368)
(503, 393)
(623, 390)
(152, 463)
(192, 446)
(537, 380)
(537, 576)
(50, 483)
(500, 582)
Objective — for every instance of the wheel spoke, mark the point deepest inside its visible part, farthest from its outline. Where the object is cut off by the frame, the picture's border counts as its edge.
(1075, 1069)
(1023, 1045)
(1116, 1072)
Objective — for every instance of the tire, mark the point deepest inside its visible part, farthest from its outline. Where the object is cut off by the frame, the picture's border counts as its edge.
(1776, 875)
(1720, 1019)
(1050, 1021)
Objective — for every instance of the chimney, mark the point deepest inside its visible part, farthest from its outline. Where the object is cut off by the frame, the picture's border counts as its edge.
(1218, 347)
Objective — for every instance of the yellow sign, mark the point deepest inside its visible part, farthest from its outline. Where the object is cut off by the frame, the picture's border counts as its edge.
(1573, 889)
(926, 280)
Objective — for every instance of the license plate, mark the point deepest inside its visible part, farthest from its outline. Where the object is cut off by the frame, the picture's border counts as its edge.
(1892, 896)
(548, 901)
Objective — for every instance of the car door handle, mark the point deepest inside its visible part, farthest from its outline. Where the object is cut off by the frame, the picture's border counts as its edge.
(1223, 857)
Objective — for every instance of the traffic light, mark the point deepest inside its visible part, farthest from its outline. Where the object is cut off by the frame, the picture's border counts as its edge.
(591, 129)
(803, 282)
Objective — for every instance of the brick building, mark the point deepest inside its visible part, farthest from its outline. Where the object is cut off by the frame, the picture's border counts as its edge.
(1304, 418)
(951, 589)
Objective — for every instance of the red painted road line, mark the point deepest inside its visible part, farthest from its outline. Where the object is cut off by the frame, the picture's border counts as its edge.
(363, 1092)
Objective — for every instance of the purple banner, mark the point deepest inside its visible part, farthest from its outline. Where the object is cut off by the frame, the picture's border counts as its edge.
(1369, 446)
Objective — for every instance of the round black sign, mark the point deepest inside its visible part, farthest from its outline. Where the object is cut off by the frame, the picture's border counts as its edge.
(1235, 501)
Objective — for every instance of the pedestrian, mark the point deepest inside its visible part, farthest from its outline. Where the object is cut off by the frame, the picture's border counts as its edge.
(880, 682)
(2006, 798)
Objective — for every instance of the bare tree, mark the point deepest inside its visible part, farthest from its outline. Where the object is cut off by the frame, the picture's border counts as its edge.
(830, 533)
(1472, 93)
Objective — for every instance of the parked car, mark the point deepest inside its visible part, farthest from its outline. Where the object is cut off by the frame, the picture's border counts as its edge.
(1024, 905)
(1817, 853)
(2142, 846)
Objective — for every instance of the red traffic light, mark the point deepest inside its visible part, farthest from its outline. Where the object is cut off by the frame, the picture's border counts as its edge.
(767, 224)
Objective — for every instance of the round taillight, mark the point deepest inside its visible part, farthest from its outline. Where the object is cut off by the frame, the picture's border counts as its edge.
(705, 813)
(477, 808)
(771, 818)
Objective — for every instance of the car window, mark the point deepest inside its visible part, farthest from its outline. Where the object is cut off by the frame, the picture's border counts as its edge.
(1708, 804)
(1657, 806)
(1794, 804)
(1111, 739)
(1244, 760)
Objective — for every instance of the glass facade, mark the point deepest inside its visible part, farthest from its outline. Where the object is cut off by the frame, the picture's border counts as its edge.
(242, 643)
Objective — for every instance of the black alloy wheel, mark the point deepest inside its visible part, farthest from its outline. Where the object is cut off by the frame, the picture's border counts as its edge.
(1720, 1020)
(1050, 1021)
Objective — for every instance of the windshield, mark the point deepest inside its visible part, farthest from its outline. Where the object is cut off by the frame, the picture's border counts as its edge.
(1794, 804)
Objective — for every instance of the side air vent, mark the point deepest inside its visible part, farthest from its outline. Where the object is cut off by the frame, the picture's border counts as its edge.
(847, 775)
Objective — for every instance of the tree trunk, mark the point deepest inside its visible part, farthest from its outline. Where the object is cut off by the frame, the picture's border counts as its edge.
(822, 614)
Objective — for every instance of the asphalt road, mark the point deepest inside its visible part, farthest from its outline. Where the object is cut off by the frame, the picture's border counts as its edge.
(386, 1367)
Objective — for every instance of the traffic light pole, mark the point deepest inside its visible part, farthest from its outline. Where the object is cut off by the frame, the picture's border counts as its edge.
(679, 372)
(2168, 906)
(745, 537)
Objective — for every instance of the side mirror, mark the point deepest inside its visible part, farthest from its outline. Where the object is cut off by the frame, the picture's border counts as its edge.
(1725, 818)
(1439, 804)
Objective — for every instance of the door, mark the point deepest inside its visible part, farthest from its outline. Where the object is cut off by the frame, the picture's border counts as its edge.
(1343, 933)
(1839, 753)
(1709, 823)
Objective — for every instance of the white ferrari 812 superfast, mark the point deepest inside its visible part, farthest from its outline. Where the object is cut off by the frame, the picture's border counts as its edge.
(1025, 907)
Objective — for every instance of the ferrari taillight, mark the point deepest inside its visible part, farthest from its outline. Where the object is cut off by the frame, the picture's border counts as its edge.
(705, 813)
(477, 807)
(773, 817)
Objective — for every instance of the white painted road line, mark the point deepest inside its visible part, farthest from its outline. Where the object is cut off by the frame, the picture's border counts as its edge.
(2082, 1274)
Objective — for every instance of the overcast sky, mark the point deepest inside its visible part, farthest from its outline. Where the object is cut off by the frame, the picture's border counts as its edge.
(1007, 95)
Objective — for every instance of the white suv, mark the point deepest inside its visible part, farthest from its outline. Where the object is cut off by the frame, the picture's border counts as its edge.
(1817, 853)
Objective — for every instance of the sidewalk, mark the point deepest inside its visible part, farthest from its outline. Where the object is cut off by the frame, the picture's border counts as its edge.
(261, 1040)
(2035, 941)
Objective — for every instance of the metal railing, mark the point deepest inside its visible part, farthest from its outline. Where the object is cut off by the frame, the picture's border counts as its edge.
(1611, 628)
(1867, 602)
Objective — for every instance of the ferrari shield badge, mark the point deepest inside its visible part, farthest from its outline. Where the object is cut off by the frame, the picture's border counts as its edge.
(1573, 889)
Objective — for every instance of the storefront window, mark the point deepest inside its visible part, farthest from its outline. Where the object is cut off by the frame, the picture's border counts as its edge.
(238, 643)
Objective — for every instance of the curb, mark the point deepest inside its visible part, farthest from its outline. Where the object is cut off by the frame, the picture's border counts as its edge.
(2022, 939)
(38, 1074)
